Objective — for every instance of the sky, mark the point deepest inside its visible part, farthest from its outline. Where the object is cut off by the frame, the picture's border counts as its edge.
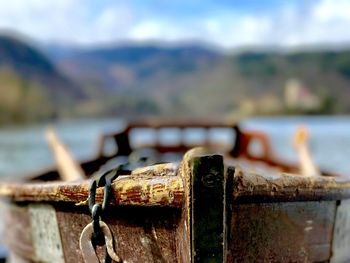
(226, 23)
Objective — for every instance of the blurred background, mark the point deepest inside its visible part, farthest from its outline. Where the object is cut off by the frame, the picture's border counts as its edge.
(87, 66)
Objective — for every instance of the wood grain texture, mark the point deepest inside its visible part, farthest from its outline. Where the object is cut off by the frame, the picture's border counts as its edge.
(17, 230)
(250, 186)
(341, 233)
(282, 232)
(140, 234)
(183, 231)
(186, 240)
(151, 186)
(270, 217)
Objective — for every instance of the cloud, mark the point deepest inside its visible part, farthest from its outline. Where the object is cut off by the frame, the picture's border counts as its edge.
(322, 22)
(292, 23)
(234, 29)
(73, 21)
(44, 20)
(110, 24)
(327, 10)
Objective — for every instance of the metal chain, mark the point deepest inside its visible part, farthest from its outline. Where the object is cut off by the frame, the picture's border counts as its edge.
(97, 232)
(89, 253)
(97, 211)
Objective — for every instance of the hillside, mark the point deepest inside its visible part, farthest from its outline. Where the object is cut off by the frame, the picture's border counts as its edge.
(31, 86)
(122, 67)
(262, 77)
(184, 80)
(193, 80)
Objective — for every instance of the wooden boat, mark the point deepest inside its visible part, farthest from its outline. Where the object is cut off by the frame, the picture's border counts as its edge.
(231, 206)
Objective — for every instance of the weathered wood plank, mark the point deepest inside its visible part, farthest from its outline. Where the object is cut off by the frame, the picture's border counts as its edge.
(208, 203)
(45, 233)
(156, 186)
(276, 187)
(282, 232)
(183, 231)
(17, 232)
(140, 234)
(270, 217)
(341, 233)
(195, 241)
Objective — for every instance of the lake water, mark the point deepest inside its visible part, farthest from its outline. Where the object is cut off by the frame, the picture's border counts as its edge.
(23, 148)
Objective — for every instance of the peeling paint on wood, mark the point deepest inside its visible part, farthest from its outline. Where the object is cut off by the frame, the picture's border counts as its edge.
(341, 233)
(45, 233)
(183, 231)
(253, 187)
(128, 190)
(18, 236)
(165, 169)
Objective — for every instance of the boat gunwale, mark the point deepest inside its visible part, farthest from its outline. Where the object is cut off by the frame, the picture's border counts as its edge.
(161, 185)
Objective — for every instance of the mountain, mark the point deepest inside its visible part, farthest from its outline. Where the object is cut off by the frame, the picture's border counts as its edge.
(184, 80)
(31, 86)
(325, 73)
(117, 68)
(136, 78)
(194, 80)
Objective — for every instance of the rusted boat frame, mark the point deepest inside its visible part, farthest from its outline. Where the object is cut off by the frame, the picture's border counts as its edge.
(200, 210)
(241, 143)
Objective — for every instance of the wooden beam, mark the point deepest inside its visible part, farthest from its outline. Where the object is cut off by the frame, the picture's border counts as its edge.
(252, 186)
(68, 168)
(208, 209)
(154, 185)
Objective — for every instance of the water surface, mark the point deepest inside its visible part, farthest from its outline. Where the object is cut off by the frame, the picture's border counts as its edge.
(23, 148)
(329, 138)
